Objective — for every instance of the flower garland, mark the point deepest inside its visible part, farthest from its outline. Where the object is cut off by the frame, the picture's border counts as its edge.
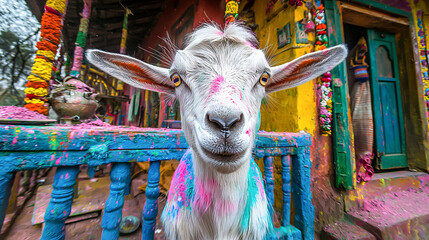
(325, 100)
(423, 60)
(231, 10)
(323, 82)
(81, 39)
(37, 85)
(321, 33)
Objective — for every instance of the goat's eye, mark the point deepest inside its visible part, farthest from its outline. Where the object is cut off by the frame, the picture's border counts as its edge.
(264, 78)
(177, 80)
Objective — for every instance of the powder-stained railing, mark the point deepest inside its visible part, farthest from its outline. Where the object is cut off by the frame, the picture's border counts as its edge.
(36, 147)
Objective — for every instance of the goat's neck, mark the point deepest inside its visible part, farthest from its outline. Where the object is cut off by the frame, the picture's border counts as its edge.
(217, 191)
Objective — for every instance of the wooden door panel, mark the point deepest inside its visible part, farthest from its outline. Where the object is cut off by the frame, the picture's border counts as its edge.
(390, 118)
(386, 97)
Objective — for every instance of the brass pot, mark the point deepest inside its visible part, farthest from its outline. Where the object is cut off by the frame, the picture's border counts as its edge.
(73, 104)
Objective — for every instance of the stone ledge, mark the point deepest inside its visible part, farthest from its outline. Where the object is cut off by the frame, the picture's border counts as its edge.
(344, 230)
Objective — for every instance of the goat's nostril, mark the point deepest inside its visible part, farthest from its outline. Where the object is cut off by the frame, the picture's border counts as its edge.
(218, 121)
(224, 123)
(233, 121)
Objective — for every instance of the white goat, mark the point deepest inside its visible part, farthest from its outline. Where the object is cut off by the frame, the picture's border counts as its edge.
(219, 79)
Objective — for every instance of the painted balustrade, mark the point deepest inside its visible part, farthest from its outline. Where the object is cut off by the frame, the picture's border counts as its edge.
(67, 147)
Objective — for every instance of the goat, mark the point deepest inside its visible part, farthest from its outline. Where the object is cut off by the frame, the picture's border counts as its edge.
(220, 79)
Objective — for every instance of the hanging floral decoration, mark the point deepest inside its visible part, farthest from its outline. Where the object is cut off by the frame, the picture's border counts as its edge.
(423, 59)
(38, 81)
(231, 10)
(325, 103)
(81, 39)
(321, 33)
(323, 82)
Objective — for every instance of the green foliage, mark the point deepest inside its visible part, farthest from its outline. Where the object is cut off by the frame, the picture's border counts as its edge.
(15, 65)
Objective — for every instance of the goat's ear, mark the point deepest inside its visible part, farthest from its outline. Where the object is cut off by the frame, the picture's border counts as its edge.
(305, 68)
(132, 71)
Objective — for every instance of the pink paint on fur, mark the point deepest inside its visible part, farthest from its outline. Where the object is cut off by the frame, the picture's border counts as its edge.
(203, 194)
(249, 44)
(224, 207)
(178, 185)
(216, 86)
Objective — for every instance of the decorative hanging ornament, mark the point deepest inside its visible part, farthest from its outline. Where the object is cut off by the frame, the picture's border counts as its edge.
(231, 10)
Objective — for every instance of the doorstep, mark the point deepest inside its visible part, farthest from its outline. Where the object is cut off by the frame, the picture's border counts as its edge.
(384, 183)
(395, 215)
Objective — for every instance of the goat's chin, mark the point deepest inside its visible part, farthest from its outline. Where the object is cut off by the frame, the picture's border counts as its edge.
(222, 162)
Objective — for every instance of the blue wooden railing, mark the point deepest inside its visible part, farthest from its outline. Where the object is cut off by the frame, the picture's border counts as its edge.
(35, 147)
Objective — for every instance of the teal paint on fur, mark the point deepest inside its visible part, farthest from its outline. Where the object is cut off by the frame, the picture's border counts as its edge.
(253, 177)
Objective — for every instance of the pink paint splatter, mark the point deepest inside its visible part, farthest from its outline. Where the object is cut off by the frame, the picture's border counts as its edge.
(249, 132)
(58, 162)
(216, 84)
(15, 140)
(12, 112)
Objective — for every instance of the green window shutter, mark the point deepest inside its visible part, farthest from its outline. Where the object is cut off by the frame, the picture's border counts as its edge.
(344, 169)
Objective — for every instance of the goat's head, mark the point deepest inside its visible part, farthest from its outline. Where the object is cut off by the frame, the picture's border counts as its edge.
(219, 79)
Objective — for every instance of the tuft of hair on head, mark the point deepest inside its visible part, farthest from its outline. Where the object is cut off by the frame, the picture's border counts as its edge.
(210, 33)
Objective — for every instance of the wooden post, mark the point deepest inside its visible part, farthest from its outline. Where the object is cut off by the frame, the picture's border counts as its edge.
(286, 188)
(59, 207)
(269, 181)
(5, 187)
(151, 205)
(113, 208)
(301, 192)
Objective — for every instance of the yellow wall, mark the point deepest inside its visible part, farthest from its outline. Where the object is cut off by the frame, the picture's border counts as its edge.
(294, 109)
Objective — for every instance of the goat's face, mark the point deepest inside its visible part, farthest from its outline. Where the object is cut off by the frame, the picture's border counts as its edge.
(222, 85)
(220, 80)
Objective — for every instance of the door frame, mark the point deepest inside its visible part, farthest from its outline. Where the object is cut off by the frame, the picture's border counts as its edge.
(337, 13)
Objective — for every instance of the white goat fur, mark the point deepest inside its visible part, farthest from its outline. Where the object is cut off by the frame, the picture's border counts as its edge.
(220, 71)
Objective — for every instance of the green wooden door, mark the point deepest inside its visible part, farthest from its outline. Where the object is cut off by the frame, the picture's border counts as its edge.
(387, 104)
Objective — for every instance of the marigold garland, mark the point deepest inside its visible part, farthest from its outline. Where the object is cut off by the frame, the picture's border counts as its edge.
(41, 72)
(46, 45)
(57, 5)
(34, 84)
(34, 100)
(40, 108)
(47, 54)
(36, 91)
